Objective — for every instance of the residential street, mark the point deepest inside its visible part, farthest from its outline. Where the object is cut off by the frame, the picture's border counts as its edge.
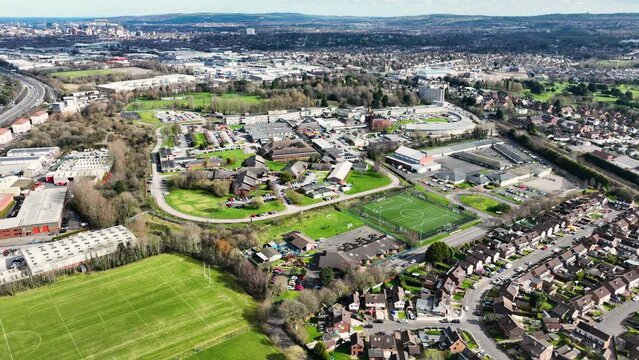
(612, 323)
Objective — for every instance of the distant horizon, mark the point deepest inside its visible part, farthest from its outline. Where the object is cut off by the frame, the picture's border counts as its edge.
(356, 8)
(93, 17)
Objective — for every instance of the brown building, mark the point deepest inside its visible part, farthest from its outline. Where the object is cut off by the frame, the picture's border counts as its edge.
(288, 150)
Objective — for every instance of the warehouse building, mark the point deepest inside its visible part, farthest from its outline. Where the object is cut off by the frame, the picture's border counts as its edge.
(41, 212)
(75, 250)
(340, 172)
(89, 165)
(405, 158)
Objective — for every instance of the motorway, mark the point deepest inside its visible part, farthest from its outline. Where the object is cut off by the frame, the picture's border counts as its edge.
(36, 92)
(158, 189)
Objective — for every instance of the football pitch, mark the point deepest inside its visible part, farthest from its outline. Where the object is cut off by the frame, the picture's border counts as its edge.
(159, 308)
(411, 213)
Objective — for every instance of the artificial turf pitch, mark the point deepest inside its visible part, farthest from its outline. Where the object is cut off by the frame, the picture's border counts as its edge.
(411, 213)
(159, 308)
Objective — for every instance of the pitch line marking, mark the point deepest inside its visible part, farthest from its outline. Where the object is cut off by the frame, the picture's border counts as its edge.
(6, 340)
(65, 325)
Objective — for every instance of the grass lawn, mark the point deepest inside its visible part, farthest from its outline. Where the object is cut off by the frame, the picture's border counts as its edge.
(161, 307)
(485, 204)
(313, 333)
(168, 139)
(204, 204)
(227, 103)
(342, 352)
(84, 73)
(199, 140)
(366, 180)
(236, 156)
(305, 200)
(317, 223)
(287, 295)
(275, 165)
(148, 117)
(247, 346)
(411, 213)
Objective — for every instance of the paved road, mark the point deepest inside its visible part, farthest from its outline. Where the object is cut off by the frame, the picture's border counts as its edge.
(158, 190)
(612, 323)
(36, 91)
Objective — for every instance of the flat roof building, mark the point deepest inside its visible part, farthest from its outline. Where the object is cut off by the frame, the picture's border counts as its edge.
(76, 249)
(41, 212)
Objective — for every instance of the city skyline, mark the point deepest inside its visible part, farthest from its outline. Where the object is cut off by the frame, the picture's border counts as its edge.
(78, 8)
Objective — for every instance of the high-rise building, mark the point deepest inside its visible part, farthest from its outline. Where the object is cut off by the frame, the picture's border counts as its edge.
(250, 31)
(433, 92)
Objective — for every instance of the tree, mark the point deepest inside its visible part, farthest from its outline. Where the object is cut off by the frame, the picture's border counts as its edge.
(294, 352)
(286, 177)
(438, 252)
(321, 352)
(326, 275)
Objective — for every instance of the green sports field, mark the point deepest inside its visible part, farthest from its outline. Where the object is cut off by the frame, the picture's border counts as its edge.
(158, 308)
(226, 103)
(411, 213)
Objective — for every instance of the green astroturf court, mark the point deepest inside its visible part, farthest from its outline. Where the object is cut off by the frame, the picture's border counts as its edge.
(158, 308)
(411, 213)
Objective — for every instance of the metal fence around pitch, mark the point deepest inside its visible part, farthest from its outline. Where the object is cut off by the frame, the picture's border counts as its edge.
(375, 218)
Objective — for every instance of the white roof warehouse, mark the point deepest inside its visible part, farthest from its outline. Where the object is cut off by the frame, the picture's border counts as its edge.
(75, 249)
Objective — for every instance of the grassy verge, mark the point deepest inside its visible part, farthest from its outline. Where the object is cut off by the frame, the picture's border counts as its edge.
(485, 204)
(366, 180)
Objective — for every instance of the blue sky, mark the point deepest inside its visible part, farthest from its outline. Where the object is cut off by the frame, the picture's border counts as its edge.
(101, 8)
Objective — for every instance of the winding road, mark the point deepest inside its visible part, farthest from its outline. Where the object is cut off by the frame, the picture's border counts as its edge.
(158, 190)
(36, 92)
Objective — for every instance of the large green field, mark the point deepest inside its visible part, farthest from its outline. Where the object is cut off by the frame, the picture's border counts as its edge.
(236, 157)
(366, 180)
(226, 103)
(158, 308)
(485, 204)
(318, 223)
(411, 213)
(204, 204)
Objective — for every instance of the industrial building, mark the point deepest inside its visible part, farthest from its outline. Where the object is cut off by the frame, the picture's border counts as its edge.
(76, 249)
(264, 132)
(41, 212)
(88, 165)
(405, 158)
(143, 84)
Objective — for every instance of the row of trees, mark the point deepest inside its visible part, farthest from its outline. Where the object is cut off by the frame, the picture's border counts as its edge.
(577, 169)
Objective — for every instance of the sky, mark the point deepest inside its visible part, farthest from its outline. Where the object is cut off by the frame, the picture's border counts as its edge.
(106, 8)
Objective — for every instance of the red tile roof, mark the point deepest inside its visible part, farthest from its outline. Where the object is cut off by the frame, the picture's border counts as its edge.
(21, 121)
